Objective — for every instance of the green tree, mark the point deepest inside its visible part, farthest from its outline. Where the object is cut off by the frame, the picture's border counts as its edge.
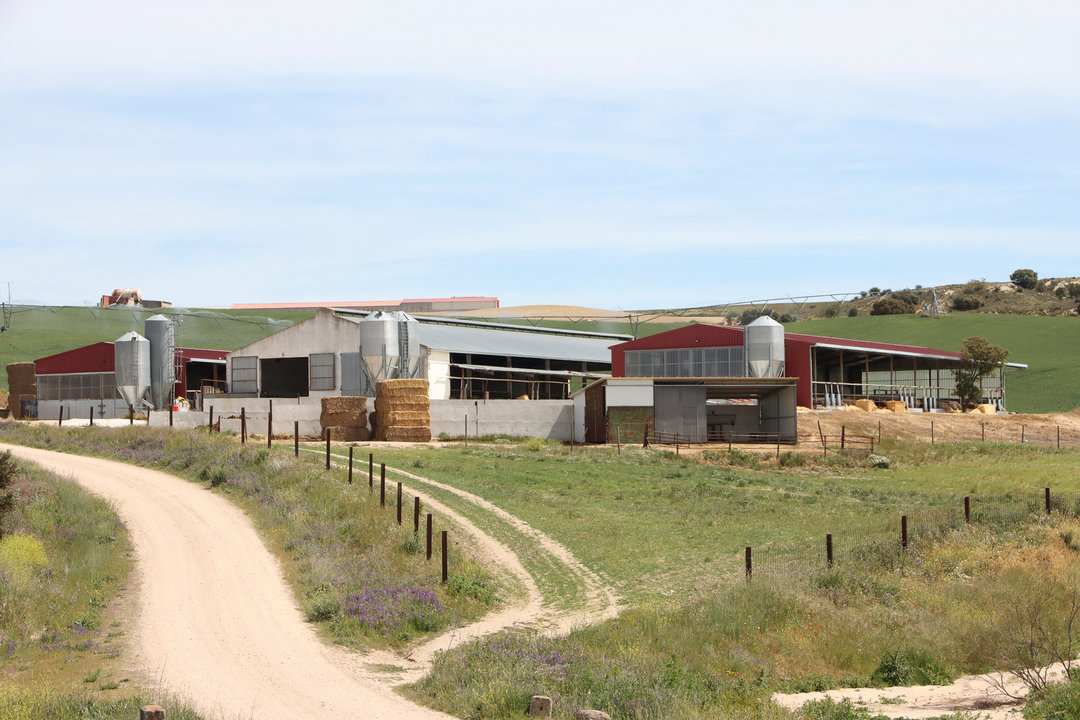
(980, 359)
(1024, 278)
(891, 306)
(8, 468)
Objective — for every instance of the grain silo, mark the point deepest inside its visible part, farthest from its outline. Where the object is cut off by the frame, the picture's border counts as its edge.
(160, 334)
(132, 366)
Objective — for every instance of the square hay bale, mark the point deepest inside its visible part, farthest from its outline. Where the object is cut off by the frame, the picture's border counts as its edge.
(986, 409)
(408, 418)
(22, 374)
(407, 434)
(354, 418)
(347, 434)
(344, 403)
(402, 388)
(386, 406)
(866, 404)
(895, 406)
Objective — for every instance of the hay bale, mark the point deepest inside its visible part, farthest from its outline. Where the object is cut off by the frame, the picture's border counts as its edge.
(406, 434)
(401, 386)
(347, 434)
(354, 418)
(866, 404)
(986, 409)
(344, 404)
(408, 418)
(895, 406)
(383, 406)
(21, 374)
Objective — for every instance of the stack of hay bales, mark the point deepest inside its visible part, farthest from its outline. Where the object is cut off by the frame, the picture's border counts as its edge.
(896, 406)
(344, 418)
(402, 410)
(22, 385)
(866, 404)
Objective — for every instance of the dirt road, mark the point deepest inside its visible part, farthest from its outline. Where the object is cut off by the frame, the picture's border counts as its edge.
(216, 621)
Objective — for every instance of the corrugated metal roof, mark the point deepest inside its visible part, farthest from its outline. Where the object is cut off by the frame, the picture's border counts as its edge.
(528, 371)
(458, 338)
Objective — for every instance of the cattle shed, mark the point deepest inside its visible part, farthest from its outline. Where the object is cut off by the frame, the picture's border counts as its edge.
(344, 352)
(830, 371)
(86, 377)
(687, 410)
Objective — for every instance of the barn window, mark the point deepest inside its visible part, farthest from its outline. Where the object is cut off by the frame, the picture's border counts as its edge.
(244, 375)
(321, 367)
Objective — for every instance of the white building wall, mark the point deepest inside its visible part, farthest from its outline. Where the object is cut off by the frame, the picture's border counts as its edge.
(530, 418)
(632, 392)
(437, 372)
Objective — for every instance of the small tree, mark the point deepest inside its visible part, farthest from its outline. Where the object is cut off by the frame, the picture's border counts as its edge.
(7, 477)
(892, 306)
(1024, 278)
(980, 359)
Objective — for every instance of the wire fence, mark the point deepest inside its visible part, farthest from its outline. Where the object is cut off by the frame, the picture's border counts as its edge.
(886, 544)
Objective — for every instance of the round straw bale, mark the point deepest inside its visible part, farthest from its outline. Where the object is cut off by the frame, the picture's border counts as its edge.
(407, 434)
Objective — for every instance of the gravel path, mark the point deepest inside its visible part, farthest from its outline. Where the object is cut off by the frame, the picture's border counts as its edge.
(216, 621)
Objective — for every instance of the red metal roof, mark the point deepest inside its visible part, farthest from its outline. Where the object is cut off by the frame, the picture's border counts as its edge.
(100, 357)
(692, 335)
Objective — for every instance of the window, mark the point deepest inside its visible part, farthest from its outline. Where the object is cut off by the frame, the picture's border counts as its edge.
(690, 362)
(244, 374)
(321, 371)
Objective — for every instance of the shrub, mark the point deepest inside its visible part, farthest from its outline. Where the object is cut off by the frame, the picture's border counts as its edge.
(830, 312)
(966, 302)
(829, 709)
(852, 312)
(910, 666)
(973, 287)
(8, 468)
(1056, 701)
(21, 556)
(907, 296)
(792, 459)
(892, 306)
(878, 461)
(1024, 278)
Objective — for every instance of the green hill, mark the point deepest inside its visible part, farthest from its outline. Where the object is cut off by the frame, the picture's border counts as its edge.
(39, 331)
(1050, 346)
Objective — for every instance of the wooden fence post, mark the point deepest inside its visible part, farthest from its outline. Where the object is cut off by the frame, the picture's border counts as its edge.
(749, 564)
(327, 448)
(243, 426)
(210, 425)
(270, 425)
(399, 502)
(371, 470)
(645, 438)
(903, 532)
(429, 536)
(843, 436)
(60, 417)
(1022, 431)
(382, 485)
(1047, 501)
(296, 438)
(982, 423)
(967, 508)
(829, 550)
(131, 414)
(445, 555)
(416, 515)
(350, 464)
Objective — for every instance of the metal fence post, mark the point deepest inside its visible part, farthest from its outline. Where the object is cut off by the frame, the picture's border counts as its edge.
(296, 438)
(382, 485)
(243, 426)
(967, 508)
(270, 425)
(416, 515)
(399, 503)
(903, 532)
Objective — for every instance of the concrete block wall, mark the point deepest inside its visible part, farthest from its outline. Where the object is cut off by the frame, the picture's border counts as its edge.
(529, 418)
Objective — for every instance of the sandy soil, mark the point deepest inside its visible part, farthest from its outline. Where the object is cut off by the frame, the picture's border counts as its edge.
(216, 621)
(988, 697)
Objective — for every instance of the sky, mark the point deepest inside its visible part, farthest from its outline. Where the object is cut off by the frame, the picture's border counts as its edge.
(606, 154)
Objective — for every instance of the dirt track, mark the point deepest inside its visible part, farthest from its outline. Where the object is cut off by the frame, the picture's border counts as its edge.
(216, 621)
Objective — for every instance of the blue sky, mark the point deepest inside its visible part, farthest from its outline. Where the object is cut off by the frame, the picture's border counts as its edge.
(615, 155)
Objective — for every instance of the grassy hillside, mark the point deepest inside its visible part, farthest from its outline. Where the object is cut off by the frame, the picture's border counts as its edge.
(1050, 346)
(38, 331)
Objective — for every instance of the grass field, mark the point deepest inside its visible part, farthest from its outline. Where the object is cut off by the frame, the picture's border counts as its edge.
(38, 332)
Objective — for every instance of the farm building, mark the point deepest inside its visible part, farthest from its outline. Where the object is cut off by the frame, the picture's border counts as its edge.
(343, 352)
(107, 377)
(413, 305)
(830, 371)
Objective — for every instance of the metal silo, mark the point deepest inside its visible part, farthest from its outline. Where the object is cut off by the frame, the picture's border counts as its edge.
(131, 354)
(160, 334)
(389, 346)
(764, 342)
